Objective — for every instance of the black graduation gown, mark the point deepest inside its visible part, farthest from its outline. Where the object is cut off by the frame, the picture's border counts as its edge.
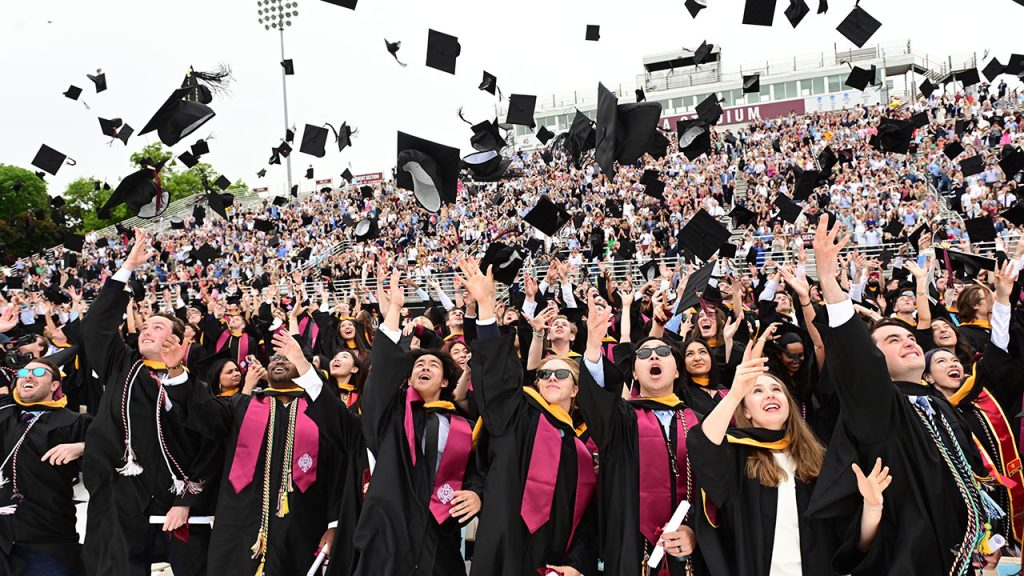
(925, 518)
(117, 533)
(978, 336)
(45, 518)
(293, 539)
(746, 513)
(213, 329)
(612, 424)
(396, 533)
(697, 397)
(504, 545)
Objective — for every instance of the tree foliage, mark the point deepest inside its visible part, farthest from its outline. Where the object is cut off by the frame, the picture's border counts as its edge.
(25, 225)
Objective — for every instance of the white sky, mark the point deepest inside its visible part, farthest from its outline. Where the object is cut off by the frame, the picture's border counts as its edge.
(344, 73)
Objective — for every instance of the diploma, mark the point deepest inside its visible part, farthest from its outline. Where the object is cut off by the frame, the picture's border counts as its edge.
(673, 524)
(191, 520)
(319, 560)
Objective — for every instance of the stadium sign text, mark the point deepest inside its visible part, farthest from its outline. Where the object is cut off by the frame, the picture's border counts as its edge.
(748, 113)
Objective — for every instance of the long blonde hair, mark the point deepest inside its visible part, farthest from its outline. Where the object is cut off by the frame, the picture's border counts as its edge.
(803, 447)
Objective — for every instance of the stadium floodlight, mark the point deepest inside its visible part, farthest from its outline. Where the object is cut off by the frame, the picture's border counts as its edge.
(278, 15)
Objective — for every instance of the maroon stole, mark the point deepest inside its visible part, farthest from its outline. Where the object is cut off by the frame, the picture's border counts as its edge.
(454, 459)
(542, 475)
(1010, 476)
(243, 347)
(656, 470)
(314, 332)
(306, 446)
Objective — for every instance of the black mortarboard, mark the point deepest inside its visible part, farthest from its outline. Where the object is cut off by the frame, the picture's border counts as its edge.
(858, 26)
(54, 294)
(58, 201)
(487, 166)
(367, 229)
(696, 284)
(694, 137)
(261, 173)
(219, 203)
(289, 67)
(99, 79)
(178, 117)
(430, 170)
(796, 11)
(709, 110)
(109, 126)
(307, 219)
(544, 135)
(613, 207)
(442, 50)
(860, 78)
(953, 149)
(1012, 163)
(968, 77)
(742, 216)
(993, 69)
(314, 140)
(366, 191)
(893, 228)
(624, 131)
(593, 32)
(547, 216)
(703, 235)
(207, 253)
(701, 54)
(965, 266)
(640, 96)
(919, 120)
(652, 177)
(222, 182)
(294, 192)
(486, 136)
(200, 147)
(73, 242)
(177, 223)
(347, 175)
(280, 200)
(263, 225)
(751, 83)
(1015, 214)
(1015, 65)
(73, 92)
(188, 159)
(805, 184)
(927, 88)
(695, 6)
(980, 229)
(504, 261)
(893, 136)
(520, 110)
(489, 83)
(124, 133)
(49, 160)
(350, 4)
(727, 250)
(309, 173)
(199, 214)
(973, 165)
(759, 12)
(788, 210)
(289, 135)
(304, 254)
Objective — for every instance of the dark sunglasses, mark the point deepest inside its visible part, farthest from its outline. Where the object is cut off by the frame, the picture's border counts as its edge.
(662, 351)
(561, 374)
(37, 372)
(799, 357)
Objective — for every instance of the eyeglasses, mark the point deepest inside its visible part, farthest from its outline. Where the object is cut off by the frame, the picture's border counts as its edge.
(561, 374)
(798, 357)
(662, 351)
(37, 372)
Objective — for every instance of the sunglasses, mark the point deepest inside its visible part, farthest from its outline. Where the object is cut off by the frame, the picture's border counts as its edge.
(799, 357)
(561, 374)
(37, 372)
(662, 351)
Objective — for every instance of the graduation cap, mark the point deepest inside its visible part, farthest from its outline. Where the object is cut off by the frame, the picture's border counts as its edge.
(442, 50)
(124, 133)
(263, 225)
(73, 92)
(520, 110)
(1014, 214)
(99, 80)
(788, 210)
(751, 83)
(429, 169)
(304, 254)
(219, 202)
(927, 88)
(640, 96)
(694, 137)
(980, 229)
(858, 26)
(50, 160)
(487, 166)
(805, 184)
(742, 216)
(347, 175)
(200, 147)
(582, 136)
(653, 186)
(695, 6)
(505, 262)
(613, 207)
(965, 266)
(279, 201)
(367, 229)
(393, 48)
(307, 220)
(968, 77)
(188, 159)
(261, 173)
(314, 141)
(177, 223)
(796, 11)
(709, 110)
(623, 131)
(207, 253)
(486, 136)
(1012, 163)
(893, 228)
(593, 32)
(222, 182)
(54, 294)
(702, 53)
(893, 136)
(759, 12)
(309, 173)
(289, 67)
(544, 135)
(860, 78)
(109, 126)
(366, 191)
(993, 69)
(953, 149)
(547, 216)
(489, 83)
(73, 242)
(919, 120)
(294, 192)
(973, 165)
(696, 284)
(141, 192)
(178, 117)
(199, 214)
(703, 235)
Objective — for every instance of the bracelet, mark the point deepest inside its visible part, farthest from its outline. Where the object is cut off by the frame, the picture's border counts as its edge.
(538, 334)
(805, 304)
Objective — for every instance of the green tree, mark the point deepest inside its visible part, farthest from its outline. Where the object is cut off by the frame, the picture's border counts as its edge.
(25, 225)
(82, 194)
(155, 152)
(30, 194)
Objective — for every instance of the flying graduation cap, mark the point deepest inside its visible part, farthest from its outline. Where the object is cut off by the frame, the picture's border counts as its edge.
(50, 160)
(489, 83)
(73, 92)
(751, 83)
(178, 117)
(520, 110)
(547, 216)
(759, 12)
(624, 131)
(544, 135)
(442, 51)
(703, 235)
(695, 6)
(289, 67)
(430, 170)
(504, 261)
(796, 11)
(593, 32)
(393, 48)
(99, 80)
(858, 26)
(140, 192)
(861, 78)
(487, 166)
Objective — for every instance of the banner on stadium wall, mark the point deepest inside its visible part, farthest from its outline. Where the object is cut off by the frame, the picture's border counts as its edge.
(260, 190)
(745, 113)
(325, 182)
(842, 100)
(369, 178)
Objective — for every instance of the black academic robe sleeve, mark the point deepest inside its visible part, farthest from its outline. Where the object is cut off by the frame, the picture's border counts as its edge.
(104, 347)
(391, 368)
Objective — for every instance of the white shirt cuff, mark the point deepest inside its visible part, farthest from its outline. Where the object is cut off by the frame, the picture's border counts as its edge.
(596, 370)
(529, 308)
(839, 313)
(333, 524)
(394, 335)
(310, 382)
(1001, 325)
(487, 321)
(123, 275)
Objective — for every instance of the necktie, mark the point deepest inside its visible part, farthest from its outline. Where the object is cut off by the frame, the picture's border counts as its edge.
(922, 401)
(430, 449)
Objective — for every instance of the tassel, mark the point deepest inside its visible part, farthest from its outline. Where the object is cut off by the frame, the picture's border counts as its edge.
(259, 571)
(260, 546)
(282, 506)
(992, 510)
(194, 488)
(3, 479)
(983, 547)
(177, 487)
(131, 466)
(8, 510)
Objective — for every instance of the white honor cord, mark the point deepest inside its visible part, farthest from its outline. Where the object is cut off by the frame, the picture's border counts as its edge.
(191, 520)
(319, 560)
(673, 524)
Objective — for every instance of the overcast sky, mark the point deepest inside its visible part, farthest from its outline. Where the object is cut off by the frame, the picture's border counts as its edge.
(344, 73)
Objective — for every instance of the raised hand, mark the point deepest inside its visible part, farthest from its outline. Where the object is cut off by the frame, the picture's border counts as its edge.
(826, 253)
(172, 351)
(286, 345)
(480, 286)
(874, 484)
(140, 252)
(1005, 278)
(797, 283)
(597, 319)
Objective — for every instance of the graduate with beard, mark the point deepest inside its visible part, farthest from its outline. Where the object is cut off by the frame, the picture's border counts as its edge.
(40, 443)
(425, 485)
(644, 467)
(145, 456)
(281, 484)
